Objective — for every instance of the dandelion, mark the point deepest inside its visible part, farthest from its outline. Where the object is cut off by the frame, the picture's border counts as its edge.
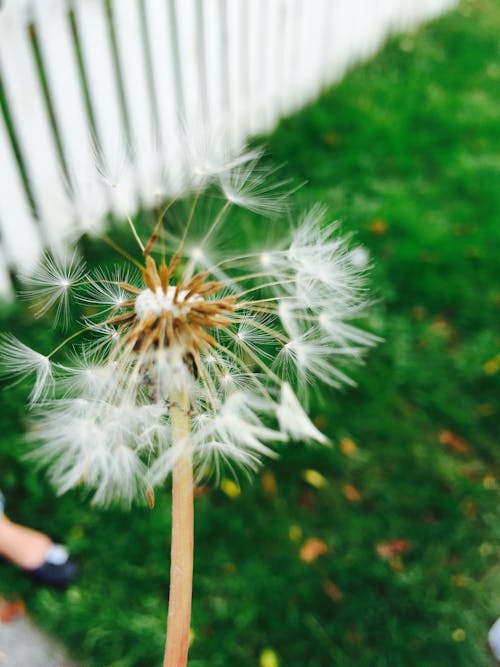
(193, 365)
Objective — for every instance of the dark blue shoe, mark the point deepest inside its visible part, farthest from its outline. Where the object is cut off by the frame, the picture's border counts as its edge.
(57, 571)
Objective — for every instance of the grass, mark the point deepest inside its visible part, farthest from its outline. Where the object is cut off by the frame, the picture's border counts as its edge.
(403, 152)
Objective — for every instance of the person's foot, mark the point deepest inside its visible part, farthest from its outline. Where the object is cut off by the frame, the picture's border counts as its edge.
(23, 546)
(35, 553)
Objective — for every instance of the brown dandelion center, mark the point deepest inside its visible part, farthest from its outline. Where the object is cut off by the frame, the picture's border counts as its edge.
(167, 315)
(172, 300)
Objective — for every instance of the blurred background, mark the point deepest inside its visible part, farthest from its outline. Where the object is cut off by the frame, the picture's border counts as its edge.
(383, 550)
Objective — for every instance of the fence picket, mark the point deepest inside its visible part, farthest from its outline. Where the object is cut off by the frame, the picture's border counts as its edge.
(33, 129)
(19, 233)
(111, 136)
(235, 72)
(254, 100)
(214, 63)
(6, 290)
(186, 28)
(58, 52)
(162, 57)
(138, 98)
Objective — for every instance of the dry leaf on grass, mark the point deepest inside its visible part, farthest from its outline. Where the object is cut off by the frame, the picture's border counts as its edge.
(387, 550)
(454, 442)
(312, 550)
(314, 478)
(348, 447)
(268, 482)
(333, 591)
(351, 493)
(11, 609)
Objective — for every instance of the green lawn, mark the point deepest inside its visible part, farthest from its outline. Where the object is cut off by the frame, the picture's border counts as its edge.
(405, 153)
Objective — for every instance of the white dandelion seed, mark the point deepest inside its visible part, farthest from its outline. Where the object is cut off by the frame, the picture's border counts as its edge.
(251, 187)
(343, 335)
(50, 284)
(105, 290)
(293, 420)
(115, 169)
(310, 357)
(84, 376)
(209, 156)
(360, 258)
(20, 361)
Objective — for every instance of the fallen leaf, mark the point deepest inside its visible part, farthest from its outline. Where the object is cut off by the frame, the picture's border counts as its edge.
(312, 549)
(333, 591)
(461, 580)
(387, 550)
(269, 658)
(486, 549)
(469, 508)
(418, 313)
(486, 409)
(11, 609)
(348, 447)
(440, 327)
(492, 365)
(321, 422)
(295, 533)
(315, 478)
(473, 470)
(396, 564)
(473, 251)
(331, 138)
(200, 491)
(230, 488)
(307, 499)
(351, 493)
(454, 442)
(378, 227)
(489, 481)
(268, 482)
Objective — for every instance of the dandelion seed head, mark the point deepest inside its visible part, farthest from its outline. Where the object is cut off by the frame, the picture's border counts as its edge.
(243, 339)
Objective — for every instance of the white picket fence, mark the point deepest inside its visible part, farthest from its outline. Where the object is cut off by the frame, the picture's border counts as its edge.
(84, 76)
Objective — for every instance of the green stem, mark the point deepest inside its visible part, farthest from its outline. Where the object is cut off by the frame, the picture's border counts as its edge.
(181, 560)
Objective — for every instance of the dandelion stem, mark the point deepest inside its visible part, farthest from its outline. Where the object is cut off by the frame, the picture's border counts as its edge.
(67, 340)
(217, 220)
(134, 232)
(181, 563)
(120, 251)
